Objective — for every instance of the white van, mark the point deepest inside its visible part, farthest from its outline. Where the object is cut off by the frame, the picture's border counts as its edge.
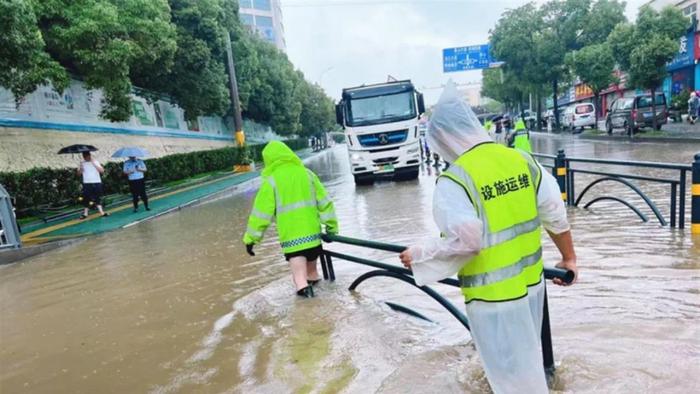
(580, 115)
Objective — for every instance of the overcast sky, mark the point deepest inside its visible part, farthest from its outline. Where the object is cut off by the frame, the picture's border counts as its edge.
(343, 43)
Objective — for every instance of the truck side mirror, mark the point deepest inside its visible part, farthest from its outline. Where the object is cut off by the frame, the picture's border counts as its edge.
(339, 113)
(421, 104)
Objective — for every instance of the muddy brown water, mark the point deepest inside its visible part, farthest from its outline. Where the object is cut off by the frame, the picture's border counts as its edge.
(174, 305)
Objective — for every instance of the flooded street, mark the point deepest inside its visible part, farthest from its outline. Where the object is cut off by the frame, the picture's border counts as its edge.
(175, 304)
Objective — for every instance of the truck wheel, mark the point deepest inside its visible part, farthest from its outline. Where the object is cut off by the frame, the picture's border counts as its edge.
(362, 180)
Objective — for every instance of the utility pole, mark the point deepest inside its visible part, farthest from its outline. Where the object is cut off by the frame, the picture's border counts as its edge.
(237, 119)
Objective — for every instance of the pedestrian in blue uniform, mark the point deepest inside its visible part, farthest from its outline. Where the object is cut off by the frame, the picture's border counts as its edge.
(135, 169)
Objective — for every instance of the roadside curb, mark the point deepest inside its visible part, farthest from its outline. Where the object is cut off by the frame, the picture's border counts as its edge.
(693, 139)
(638, 139)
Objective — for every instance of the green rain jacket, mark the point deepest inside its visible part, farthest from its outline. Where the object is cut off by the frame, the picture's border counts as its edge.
(294, 196)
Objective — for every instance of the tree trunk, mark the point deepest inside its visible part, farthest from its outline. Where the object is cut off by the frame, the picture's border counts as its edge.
(539, 111)
(596, 101)
(555, 92)
(653, 107)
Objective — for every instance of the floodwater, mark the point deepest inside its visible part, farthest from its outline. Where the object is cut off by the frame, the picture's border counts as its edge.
(175, 305)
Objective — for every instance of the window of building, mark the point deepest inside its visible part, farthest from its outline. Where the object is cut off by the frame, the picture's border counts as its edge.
(245, 3)
(690, 10)
(247, 19)
(266, 33)
(263, 5)
(263, 21)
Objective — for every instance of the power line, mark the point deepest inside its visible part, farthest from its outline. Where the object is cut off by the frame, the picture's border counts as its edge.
(345, 3)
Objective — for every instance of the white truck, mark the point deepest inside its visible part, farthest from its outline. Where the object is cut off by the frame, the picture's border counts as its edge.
(381, 129)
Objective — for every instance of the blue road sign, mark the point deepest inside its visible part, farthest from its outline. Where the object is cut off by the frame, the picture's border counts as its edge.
(473, 57)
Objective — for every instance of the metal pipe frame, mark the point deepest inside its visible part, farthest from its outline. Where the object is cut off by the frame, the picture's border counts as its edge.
(630, 206)
(631, 186)
(405, 275)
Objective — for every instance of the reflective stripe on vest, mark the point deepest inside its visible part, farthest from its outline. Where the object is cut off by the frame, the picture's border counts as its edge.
(502, 186)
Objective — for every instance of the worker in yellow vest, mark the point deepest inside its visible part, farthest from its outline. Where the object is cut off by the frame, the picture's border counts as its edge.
(294, 196)
(520, 138)
(489, 206)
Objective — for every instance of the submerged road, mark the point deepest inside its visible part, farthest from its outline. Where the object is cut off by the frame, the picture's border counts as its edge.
(175, 304)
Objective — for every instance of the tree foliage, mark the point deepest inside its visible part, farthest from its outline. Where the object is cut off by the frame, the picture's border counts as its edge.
(534, 41)
(23, 62)
(644, 49)
(594, 65)
(172, 47)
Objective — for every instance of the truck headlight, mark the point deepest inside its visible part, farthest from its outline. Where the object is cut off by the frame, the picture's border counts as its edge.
(413, 150)
(355, 157)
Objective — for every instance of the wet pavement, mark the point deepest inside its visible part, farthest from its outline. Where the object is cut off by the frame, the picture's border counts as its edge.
(175, 305)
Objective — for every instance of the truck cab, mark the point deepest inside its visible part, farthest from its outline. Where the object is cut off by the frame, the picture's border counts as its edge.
(382, 130)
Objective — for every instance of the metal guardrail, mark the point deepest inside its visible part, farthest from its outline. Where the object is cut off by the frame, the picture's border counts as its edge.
(564, 170)
(405, 275)
(9, 232)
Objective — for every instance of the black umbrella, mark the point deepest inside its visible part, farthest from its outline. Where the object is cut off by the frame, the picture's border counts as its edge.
(79, 148)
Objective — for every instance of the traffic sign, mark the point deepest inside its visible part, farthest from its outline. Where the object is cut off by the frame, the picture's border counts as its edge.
(475, 57)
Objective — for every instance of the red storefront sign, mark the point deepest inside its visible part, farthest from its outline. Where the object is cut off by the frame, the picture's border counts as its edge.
(582, 91)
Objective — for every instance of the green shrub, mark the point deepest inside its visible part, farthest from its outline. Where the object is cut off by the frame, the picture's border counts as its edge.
(39, 188)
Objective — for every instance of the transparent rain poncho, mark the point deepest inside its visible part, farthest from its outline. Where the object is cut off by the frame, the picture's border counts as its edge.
(506, 334)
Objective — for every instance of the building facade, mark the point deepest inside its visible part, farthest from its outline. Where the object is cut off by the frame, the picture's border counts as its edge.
(264, 17)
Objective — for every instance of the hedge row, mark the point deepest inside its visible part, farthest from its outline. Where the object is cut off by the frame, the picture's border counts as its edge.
(41, 188)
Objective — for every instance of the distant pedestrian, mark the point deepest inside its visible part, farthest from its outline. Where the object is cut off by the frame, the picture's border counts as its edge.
(135, 169)
(90, 169)
(295, 198)
(693, 106)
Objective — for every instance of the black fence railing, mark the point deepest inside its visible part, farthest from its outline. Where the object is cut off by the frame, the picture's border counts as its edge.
(565, 169)
(405, 275)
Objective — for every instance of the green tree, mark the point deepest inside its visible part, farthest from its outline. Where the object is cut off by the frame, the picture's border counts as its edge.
(534, 41)
(651, 43)
(24, 64)
(317, 110)
(594, 65)
(198, 80)
(104, 41)
(601, 19)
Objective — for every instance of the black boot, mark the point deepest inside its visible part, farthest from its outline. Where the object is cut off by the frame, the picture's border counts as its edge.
(306, 292)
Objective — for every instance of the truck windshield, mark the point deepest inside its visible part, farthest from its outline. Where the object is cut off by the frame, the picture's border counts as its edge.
(381, 109)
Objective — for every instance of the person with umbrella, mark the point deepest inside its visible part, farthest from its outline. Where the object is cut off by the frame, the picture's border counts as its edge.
(90, 169)
(134, 169)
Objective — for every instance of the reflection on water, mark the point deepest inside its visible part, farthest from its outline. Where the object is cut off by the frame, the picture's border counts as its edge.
(175, 304)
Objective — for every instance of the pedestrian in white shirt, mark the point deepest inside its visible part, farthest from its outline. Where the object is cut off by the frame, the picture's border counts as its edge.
(135, 169)
(90, 169)
(490, 206)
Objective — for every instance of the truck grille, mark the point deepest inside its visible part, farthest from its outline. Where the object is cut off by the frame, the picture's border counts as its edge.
(386, 160)
(383, 138)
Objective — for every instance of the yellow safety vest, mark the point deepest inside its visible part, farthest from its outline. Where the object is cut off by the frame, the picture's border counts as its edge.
(521, 137)
(294, 196)
(502, 184)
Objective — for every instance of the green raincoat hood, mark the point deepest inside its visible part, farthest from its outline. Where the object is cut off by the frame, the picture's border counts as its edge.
(276, 154)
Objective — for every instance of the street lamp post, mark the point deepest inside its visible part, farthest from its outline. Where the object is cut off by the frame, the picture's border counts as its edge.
(237, 119)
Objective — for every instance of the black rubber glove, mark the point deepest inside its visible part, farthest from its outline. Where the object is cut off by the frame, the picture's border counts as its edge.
(249, 249)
